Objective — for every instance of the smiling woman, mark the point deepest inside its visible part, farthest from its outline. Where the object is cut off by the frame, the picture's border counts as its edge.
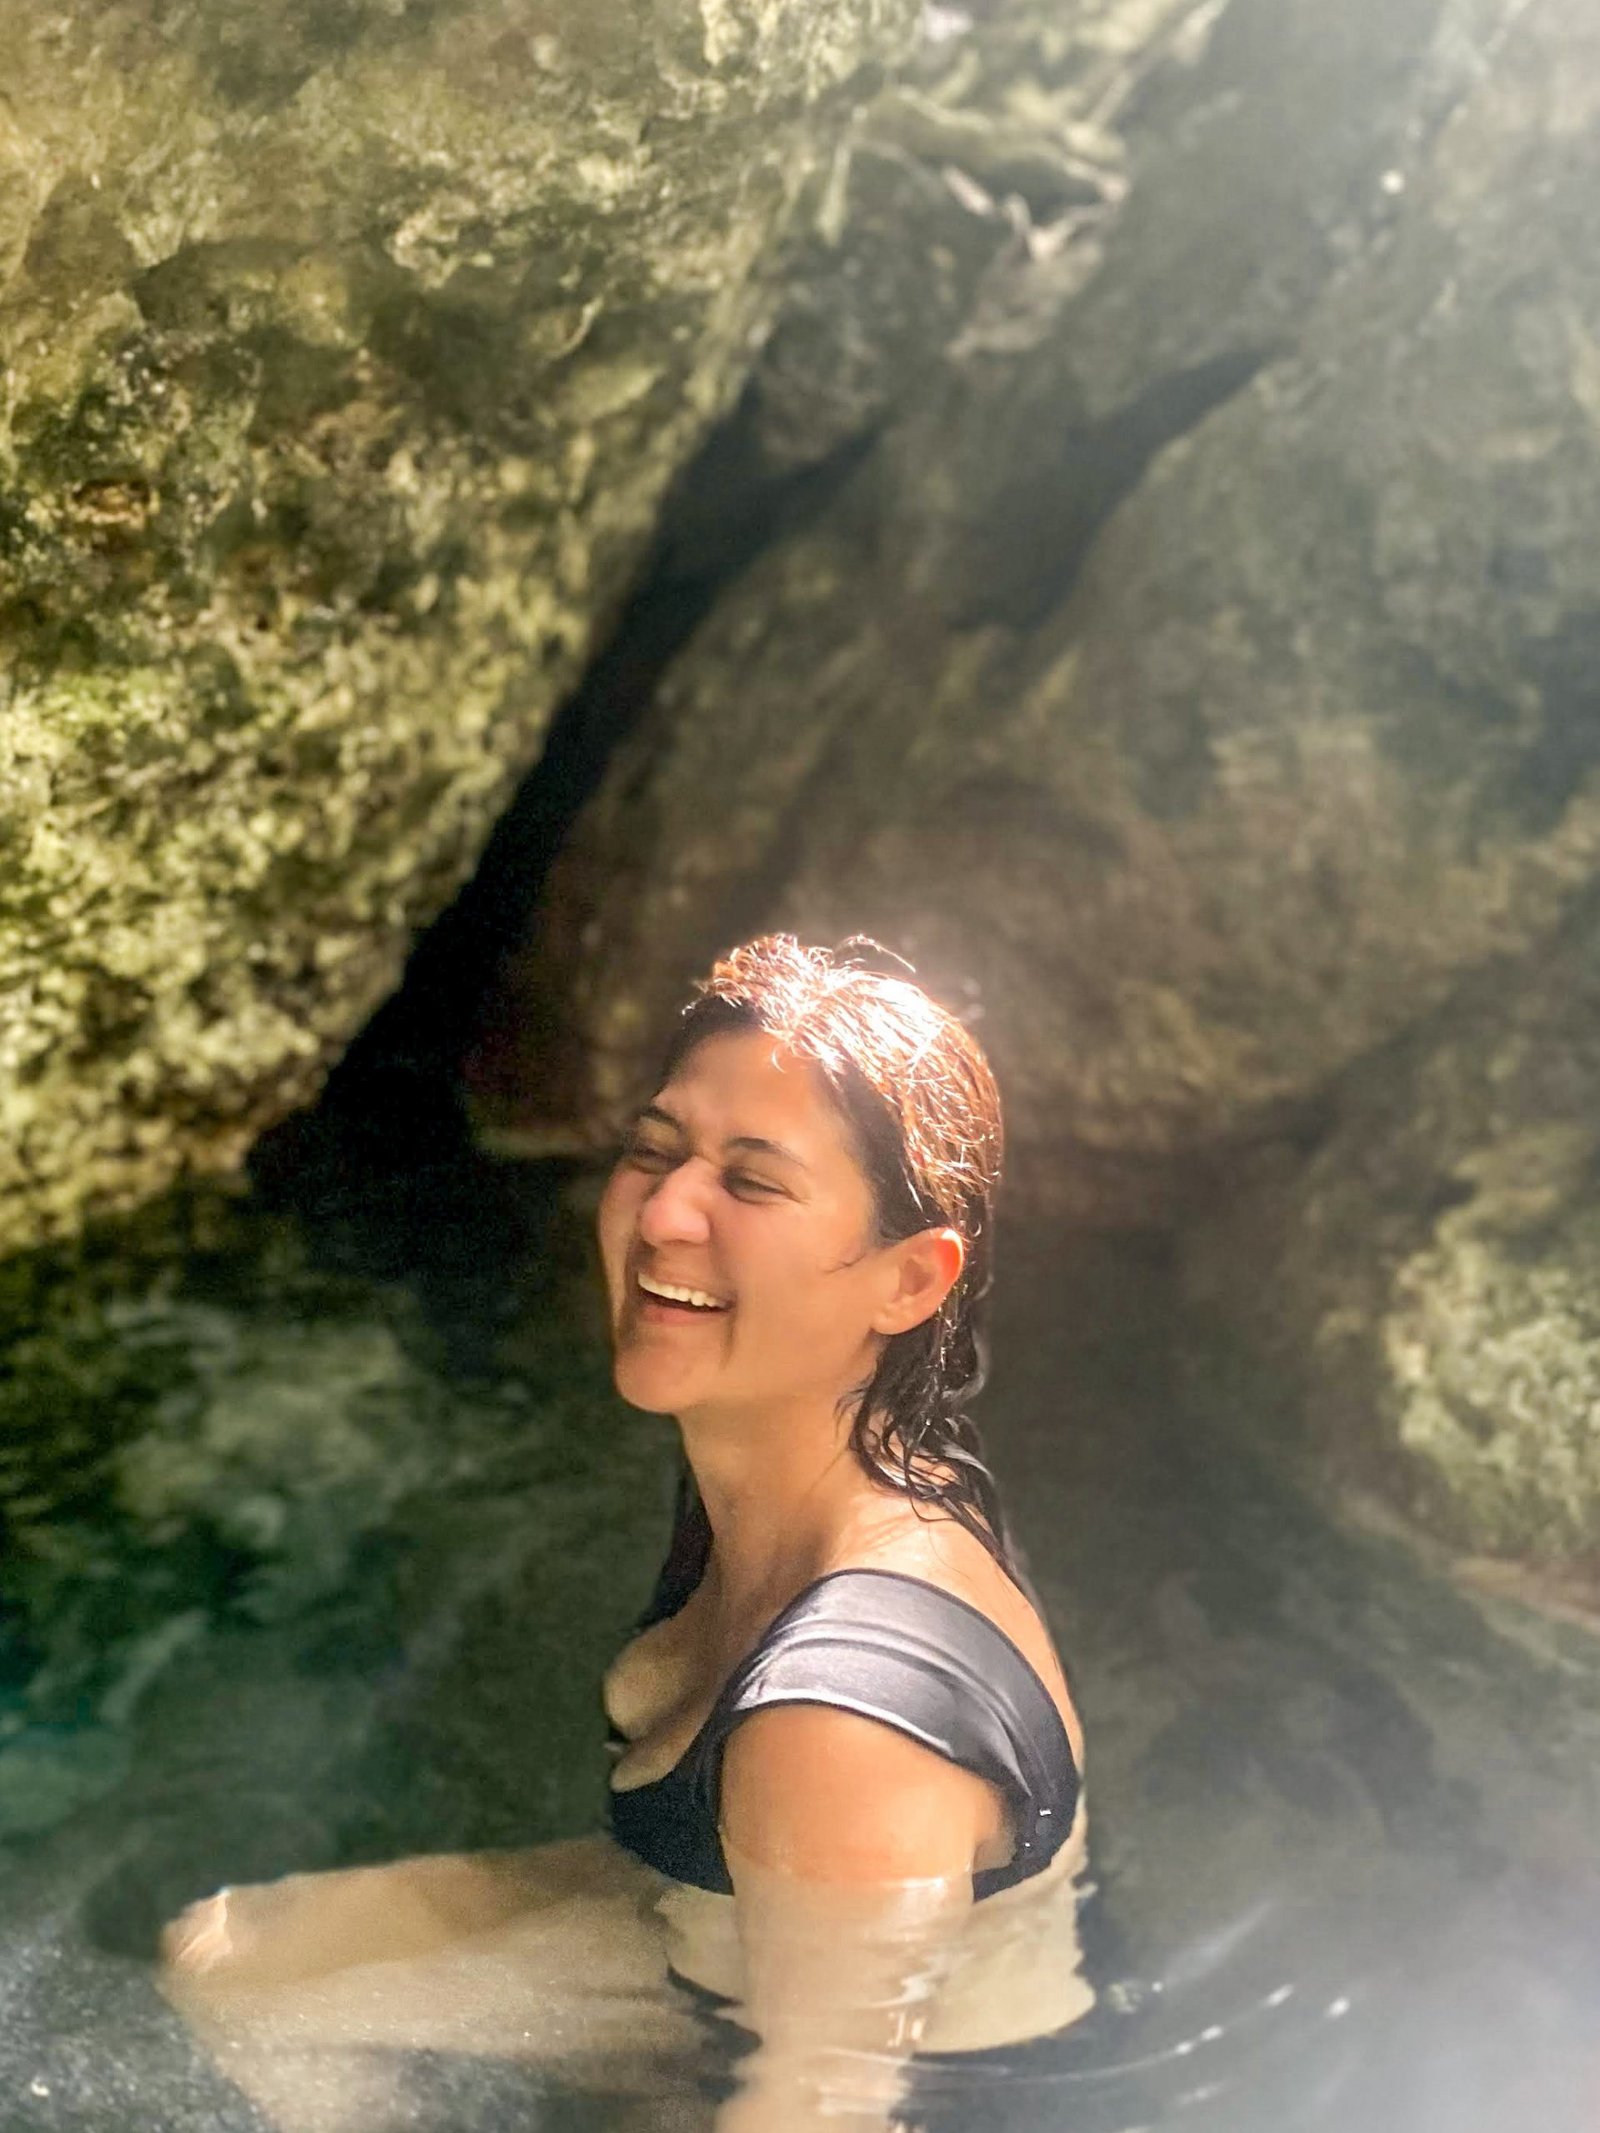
(895, 1114)
(843, 1680)
(845, 1754)
(771, 1233)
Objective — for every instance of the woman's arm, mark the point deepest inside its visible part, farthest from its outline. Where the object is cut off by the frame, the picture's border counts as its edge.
(851, 1849)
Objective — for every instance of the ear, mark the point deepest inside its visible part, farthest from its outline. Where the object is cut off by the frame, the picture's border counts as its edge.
(923, 1271)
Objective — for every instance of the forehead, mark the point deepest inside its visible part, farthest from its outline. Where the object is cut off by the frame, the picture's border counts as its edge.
(746, 1082)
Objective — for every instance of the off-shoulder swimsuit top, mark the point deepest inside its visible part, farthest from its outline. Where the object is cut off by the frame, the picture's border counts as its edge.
(893, 1648)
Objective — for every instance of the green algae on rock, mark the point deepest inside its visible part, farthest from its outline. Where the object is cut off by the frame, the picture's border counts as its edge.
(348, 355)
(1496, 1369)
(1413, 1301)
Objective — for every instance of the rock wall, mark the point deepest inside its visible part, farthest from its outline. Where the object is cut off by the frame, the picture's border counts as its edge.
(1196, 677)
(1185, 649)
(1415, 1303)
(1145, 655)
(349, 351)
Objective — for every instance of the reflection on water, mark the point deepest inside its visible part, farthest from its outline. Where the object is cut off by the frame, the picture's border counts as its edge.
(313, 1993)
(358, 1553)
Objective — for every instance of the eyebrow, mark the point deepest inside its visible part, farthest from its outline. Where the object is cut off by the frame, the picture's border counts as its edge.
(753, 1141)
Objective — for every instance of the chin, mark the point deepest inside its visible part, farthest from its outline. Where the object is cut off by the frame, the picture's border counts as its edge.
(648, 1390)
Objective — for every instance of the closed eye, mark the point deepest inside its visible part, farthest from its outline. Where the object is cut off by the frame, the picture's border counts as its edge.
(741, 1181)
(647, 1157)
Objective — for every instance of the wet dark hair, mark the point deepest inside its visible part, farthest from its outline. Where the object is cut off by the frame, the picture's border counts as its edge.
(917, 1094)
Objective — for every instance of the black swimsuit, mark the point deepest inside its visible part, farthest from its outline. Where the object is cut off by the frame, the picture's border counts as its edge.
(899, 1650)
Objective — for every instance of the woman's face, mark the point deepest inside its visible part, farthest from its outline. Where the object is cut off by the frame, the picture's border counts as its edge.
(738, 1184)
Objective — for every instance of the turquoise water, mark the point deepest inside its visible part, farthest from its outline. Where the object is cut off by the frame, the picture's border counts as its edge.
(347, 1523)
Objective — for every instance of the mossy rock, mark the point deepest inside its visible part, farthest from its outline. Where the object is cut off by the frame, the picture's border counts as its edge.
(349, 353)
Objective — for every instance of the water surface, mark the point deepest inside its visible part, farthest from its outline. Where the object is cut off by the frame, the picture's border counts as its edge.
(353, 1523)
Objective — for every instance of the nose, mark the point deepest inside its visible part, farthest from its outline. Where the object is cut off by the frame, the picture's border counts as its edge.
(674, 1211)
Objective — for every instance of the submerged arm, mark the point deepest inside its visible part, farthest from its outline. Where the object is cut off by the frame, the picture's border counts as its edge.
(851, 1849)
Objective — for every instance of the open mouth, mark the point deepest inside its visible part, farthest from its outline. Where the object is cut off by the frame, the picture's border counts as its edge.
(677, 1299)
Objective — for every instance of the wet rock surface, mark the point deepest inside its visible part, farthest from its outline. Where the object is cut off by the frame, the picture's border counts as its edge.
(1246, 777)
(1193, 675)
(1156, 598)
(349, 354)
(1418, 1291)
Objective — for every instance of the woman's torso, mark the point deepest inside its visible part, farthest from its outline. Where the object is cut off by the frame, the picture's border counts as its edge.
(567, 1951)
(1017, 1970)
(911, 1620)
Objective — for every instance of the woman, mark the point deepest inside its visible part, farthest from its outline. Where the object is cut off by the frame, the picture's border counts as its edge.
(843, 1710)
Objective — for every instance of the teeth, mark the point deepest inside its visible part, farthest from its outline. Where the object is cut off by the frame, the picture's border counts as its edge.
(674, 1294)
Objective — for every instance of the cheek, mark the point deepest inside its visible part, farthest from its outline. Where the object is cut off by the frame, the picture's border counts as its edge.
(818, 1301)
(615, 1217)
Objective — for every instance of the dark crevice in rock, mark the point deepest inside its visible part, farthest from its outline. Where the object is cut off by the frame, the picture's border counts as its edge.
(392, 1107)
(1563, 668)
(1022, 564)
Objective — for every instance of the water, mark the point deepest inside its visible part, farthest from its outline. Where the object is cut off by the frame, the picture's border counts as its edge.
(352, 1523)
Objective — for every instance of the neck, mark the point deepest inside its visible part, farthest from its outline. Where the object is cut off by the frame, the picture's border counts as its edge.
(778, 1486)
